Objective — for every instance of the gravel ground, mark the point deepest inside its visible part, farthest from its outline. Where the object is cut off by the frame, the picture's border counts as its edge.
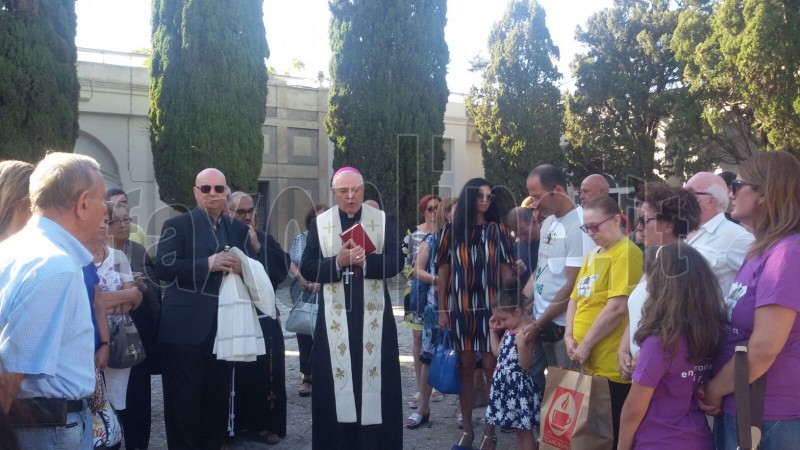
(440, 435)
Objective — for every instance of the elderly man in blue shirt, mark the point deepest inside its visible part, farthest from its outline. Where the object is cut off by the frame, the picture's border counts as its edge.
(46, 334)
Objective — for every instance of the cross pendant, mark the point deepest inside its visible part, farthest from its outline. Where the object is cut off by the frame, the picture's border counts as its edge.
(347, 273)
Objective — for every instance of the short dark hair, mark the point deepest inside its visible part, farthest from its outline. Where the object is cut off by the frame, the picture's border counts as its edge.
(550, 176)
(728, 177)
(675, 205)
(313, 213)
(519, 213)
(115, 191)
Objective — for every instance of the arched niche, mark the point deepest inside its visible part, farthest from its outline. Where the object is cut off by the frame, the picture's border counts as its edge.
(90, 146)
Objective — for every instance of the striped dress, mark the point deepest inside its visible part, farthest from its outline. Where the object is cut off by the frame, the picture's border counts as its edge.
(474, 280)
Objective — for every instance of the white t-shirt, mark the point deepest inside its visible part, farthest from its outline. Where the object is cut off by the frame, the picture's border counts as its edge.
(560, 246)
(635, 304)
(114, 271)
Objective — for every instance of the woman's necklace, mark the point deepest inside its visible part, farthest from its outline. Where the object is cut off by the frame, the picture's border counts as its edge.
(102, 255)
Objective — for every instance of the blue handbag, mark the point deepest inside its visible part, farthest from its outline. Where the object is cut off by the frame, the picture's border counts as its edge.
(444, 375)
(419, 295)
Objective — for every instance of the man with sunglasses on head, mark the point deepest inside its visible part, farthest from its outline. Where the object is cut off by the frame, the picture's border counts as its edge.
(191, 260)
(561, 254)
(722, 243)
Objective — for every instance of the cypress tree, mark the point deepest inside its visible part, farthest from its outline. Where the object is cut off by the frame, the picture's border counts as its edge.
(517, 109)
(388, 96)
(38, 79)
(208, 90)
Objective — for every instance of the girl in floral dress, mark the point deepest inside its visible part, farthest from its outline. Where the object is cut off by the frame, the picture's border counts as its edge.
(514, 399)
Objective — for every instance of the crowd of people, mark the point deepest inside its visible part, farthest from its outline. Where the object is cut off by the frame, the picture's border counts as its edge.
(704, 269)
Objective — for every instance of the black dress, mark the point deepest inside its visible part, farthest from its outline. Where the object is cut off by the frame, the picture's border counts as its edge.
(327, 432)
(260, 386)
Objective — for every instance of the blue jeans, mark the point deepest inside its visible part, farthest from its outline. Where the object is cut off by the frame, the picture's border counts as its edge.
(76, 435)
(776, 434)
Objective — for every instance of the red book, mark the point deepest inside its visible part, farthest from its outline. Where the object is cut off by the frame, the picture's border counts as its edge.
(359, 235)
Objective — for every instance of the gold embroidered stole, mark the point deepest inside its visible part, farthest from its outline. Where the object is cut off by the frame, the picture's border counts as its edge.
(329, 226)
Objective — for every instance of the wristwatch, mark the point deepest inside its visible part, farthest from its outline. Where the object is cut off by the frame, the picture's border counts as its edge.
(102, 343)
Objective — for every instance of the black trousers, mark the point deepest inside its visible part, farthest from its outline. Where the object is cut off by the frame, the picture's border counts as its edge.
(196, 390)
(304, 344)
(136, 417)
(619, 392)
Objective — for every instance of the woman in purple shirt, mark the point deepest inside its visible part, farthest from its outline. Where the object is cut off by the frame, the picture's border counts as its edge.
(763, 302)
(681, 330)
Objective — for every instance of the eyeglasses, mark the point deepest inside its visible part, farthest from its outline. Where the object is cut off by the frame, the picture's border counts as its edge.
(125, 221)
(642, 221)
(432, 208)
(205, 189)
(245, 212)
(594, 227)
(737, 184)
(346, 191)
(487, 197)
(703, 193)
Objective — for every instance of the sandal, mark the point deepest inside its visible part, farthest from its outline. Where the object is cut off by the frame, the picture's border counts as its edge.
(267, 437)
(489, 442)
(417, 420)
(436, 396)
(465, 443)
(305, 388)
(413, 402)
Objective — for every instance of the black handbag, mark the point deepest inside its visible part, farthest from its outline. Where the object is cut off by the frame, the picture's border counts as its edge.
(126, 345)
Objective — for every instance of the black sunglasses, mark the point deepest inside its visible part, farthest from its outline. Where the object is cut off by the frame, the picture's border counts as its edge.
(205, 189)
(432, 208)
(488, 197)
(739, 183)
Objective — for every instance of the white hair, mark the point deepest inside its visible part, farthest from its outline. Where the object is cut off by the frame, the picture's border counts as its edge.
(59, 180)
(360, 177)
(721, 195)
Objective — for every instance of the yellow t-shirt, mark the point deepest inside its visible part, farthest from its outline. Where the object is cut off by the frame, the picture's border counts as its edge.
(605, 275)
(137, 234)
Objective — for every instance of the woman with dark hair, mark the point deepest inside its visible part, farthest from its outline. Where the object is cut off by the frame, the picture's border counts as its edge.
(302, 289)
(136, 418)
(473, 259)
(666, 216)
(412, 304)
(763, 303)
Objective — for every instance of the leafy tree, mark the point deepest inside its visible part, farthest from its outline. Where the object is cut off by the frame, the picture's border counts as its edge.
(38, 78)
(208, 90)
(388, 96)
(517, 109)
(743, 58)
(625, 88)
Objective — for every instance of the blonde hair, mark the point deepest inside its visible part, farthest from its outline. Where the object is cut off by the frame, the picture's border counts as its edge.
(444, 206)
(59, 179)
(776, 176)
(14, 180)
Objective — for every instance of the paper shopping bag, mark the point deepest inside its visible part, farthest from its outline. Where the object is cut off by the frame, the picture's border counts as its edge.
(576, 412)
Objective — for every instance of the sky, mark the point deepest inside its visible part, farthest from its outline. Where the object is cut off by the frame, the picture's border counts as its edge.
(298, 29)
